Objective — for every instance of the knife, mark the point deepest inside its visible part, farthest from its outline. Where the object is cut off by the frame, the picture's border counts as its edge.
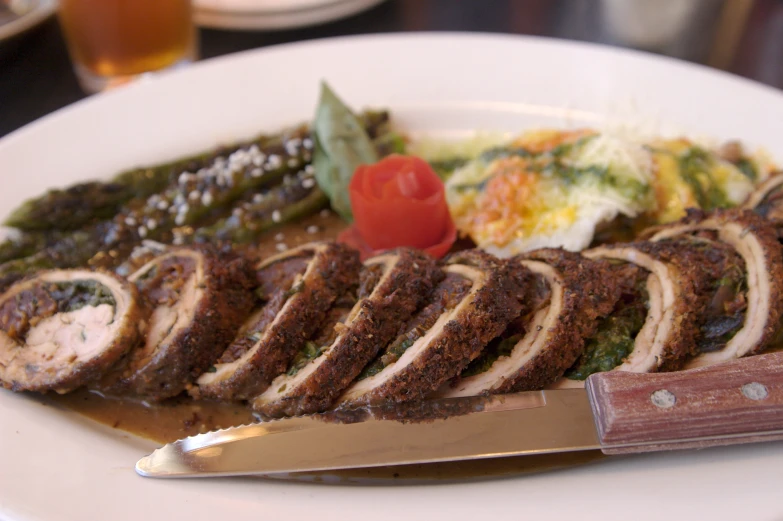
(617, 412)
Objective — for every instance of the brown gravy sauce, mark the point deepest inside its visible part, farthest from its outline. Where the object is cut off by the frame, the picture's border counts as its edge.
(181, 417)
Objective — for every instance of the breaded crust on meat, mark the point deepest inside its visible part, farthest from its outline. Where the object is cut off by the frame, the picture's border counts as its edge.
(332, 269)
(406, 281)
(224, 284)
(589, 293)
(24, 373)
(490, 305)
(693, 272)
(762, 254)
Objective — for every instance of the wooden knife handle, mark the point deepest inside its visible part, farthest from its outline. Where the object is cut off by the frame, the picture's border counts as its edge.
(737, 402)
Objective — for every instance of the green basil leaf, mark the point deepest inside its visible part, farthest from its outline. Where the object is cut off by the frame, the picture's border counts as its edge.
(341, 145)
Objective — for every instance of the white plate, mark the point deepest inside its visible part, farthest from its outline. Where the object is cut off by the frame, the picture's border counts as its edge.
(41, 10)
(275, 14)
(58, 466)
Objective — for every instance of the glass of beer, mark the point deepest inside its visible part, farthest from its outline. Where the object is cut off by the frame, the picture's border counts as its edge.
(112, 42)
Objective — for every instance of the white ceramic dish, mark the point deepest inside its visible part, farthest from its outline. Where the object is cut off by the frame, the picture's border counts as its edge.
(275, 14)
(58, 466)
(40, 11)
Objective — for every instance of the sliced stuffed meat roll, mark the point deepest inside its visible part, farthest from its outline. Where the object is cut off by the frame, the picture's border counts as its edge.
(392, 286)
(658, 320)
(299, 287)
(568, 294)
(755, 240)
(473, 304)
(198, 300)
(767, 199)
(62, 329)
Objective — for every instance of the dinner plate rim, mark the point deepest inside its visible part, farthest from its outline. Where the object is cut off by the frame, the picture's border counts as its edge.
(41, 12)
(292, 46)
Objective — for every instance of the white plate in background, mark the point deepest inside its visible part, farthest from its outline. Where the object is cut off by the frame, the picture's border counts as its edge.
(58, 466)
(275, 14)
(37, 13)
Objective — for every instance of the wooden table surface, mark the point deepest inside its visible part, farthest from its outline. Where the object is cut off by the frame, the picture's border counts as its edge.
(742, 36)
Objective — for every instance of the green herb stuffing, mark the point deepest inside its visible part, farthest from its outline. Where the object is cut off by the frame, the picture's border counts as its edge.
(613, 341)
(498, 348)
(393, 354)
(74, 295)
(308, 353)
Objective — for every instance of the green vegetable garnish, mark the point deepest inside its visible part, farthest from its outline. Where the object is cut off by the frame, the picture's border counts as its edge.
(341, 145)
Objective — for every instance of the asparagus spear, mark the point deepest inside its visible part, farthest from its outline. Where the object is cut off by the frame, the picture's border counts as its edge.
(296, 197)
(22, 244)
(194, 195)
(71, 250)
(74, 207)
(69, 208)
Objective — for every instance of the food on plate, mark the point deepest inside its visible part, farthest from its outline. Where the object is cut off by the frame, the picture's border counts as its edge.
(64, 328)
(391, 288)
(760, 283)
(296, 197)
(298, 287)
(83, 203)
(228, 286)
(216, 185)
(70, 208)
(658, 320)
(198, 299)
(767, 199)
(342, 145)
(566, 295)
(473, 303)
(69, 250)
(555, 188)
(235, 192)
(399, 201)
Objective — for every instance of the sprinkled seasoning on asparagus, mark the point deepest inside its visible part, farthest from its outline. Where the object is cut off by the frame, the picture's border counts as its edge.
(296, 197)
(195, 194)
(205, 197)
(76, 206)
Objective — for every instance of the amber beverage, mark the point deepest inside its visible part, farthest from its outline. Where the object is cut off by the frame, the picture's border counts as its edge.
(114, 41)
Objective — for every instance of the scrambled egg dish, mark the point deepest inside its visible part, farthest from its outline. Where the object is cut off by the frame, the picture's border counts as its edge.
(557, 188)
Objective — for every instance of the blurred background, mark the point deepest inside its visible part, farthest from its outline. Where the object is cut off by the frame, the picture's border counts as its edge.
(38, 76)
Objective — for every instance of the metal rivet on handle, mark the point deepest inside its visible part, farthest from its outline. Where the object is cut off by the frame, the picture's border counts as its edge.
(754, 391)
(663, 399)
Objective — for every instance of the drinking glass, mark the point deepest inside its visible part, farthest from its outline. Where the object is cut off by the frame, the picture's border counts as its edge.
(112, 42)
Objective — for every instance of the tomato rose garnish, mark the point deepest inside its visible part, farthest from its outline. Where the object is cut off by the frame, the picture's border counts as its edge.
(399, 201)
